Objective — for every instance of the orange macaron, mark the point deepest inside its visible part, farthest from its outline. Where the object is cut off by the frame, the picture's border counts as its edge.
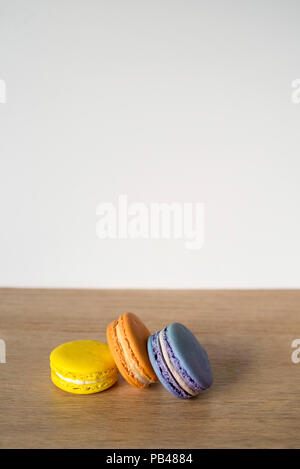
(127, 339)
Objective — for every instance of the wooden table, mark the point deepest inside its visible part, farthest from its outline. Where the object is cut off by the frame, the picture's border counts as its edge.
(254, 402)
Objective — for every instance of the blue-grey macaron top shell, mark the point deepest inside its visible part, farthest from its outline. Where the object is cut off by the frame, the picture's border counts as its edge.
(188, 356)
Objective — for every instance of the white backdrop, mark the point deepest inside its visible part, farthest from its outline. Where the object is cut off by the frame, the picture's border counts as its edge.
(165, 101)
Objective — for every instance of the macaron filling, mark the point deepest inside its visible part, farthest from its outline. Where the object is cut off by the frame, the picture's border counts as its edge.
(130, 363)
(78, 381)
(176, 375)
(163, 371)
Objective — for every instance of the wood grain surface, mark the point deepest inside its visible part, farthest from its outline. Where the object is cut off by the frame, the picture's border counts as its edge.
(253, 403)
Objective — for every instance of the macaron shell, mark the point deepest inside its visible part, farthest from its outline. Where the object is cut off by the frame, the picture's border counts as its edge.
(189, 357)
(84, 388)
(119, 356)
(137, 336)
(82, 357)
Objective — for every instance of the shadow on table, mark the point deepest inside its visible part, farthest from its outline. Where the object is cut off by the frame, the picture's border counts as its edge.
(232, 362)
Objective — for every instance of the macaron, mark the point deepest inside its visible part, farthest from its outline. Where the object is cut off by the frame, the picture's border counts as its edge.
(180, 361)
(83, 367)
(127, 339)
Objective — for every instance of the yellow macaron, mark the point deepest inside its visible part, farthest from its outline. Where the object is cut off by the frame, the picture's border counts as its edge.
(83, 367)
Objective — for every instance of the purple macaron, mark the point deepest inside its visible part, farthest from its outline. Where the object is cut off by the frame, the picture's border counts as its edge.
(179, 361)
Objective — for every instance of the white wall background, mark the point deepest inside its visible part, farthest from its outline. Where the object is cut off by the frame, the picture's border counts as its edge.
(161, 100)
